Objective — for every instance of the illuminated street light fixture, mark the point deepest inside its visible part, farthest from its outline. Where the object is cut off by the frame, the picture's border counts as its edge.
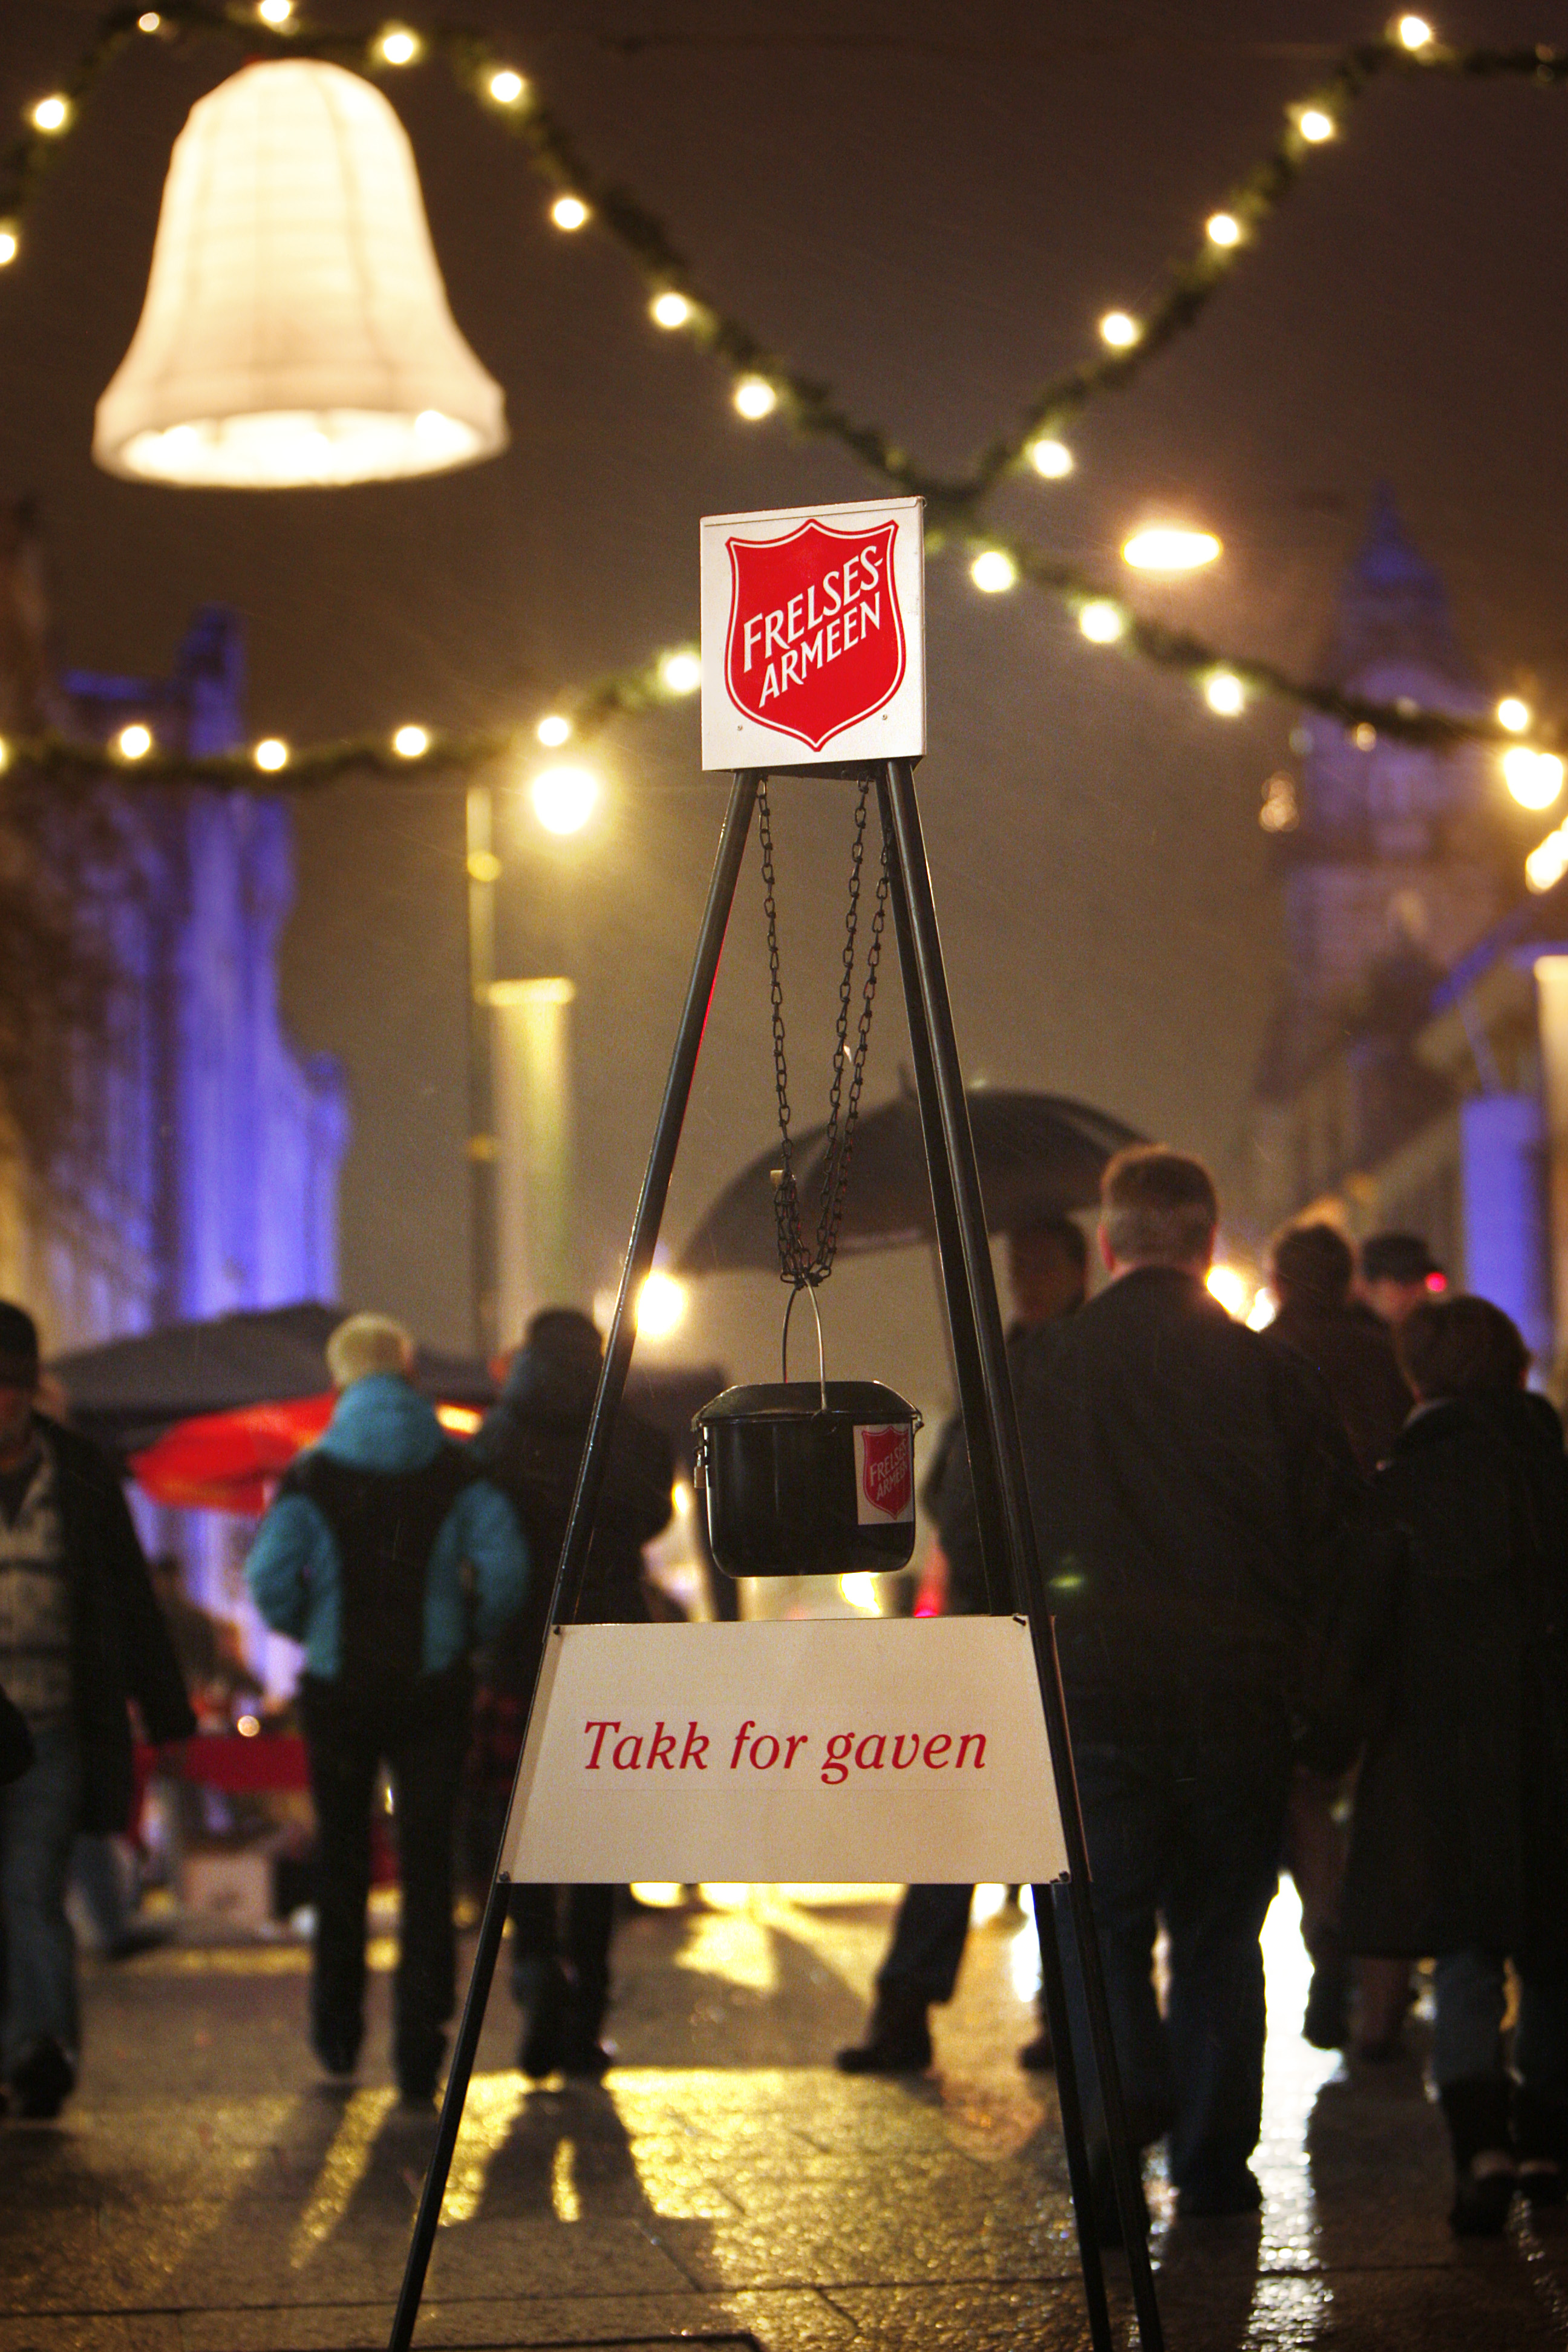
(1170, 547)
(1534, 778)
(296, 330)
(661, 1305)
(565, 798)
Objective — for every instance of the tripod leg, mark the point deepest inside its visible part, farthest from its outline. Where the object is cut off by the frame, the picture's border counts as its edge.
(1071, 2105)
(945, 1119)
(585, 1502)
(491, 1930)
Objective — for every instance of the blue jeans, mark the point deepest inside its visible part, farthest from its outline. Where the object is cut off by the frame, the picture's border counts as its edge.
(1467, 2036)
(1187, 1834)
(39, 1815)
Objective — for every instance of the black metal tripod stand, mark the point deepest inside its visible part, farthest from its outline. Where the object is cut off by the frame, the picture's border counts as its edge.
(1008, 1541)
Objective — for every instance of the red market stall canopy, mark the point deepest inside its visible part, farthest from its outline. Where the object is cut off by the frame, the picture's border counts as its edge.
(208, 1415)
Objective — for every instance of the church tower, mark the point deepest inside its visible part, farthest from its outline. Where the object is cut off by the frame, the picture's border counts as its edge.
(1394, 859)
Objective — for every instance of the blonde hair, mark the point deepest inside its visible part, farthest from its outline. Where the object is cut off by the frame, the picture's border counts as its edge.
(367, 1344)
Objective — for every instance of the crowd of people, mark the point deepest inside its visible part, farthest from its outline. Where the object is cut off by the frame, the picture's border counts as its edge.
(1310, 1594)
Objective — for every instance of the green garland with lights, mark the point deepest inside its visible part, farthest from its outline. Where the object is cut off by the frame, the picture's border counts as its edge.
(767, 384)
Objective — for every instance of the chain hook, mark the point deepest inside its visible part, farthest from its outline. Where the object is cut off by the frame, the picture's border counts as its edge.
(810, 1290)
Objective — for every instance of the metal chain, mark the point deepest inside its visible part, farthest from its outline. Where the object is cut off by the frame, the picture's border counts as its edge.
(801, 1266)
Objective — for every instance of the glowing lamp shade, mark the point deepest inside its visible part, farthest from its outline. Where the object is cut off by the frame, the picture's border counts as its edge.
(296, 330)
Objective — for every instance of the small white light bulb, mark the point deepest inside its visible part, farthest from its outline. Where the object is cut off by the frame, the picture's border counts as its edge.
(994, 572)
(669, 310)
(565, 798)
(1050, 457)
(506, 87)
(5, 755)
(275, 11)
(1548, 861)
(1315, 126)
(51, 114)
(1513, 714)
(680, 672)
(569, 213)
(271, 753)
(1101, 622)
(10, 246)
(1414, 32)
(1119, 329)
(1223, 228)
(411, 742)
(755, 397)
(553, 730)
(398, 46)
(134, 742)
(1224, 694)
(148, 21)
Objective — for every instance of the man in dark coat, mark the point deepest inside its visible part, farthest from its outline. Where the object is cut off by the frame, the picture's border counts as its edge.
(1192, 1490)
(80, 1636)
(1310, 1271)
(1459, 1844)
(531, 1446)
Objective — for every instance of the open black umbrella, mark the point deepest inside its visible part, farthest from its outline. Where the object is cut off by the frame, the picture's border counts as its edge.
(128, 1392)
(1039, 1155)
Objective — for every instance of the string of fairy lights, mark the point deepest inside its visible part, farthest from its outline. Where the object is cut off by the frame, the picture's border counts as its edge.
(763, 385)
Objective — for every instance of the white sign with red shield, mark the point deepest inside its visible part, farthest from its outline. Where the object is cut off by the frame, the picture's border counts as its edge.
(813, 635)
(884, 1474)
(811, 1750)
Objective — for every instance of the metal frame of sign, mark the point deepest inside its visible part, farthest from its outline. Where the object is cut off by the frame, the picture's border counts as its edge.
(1012, 1566)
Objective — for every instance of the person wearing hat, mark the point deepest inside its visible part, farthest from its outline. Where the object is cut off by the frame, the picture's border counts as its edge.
(388, 1557)
(81, 1636)
(1396, 1271)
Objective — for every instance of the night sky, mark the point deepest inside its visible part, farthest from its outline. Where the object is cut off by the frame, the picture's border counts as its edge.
(930, 207)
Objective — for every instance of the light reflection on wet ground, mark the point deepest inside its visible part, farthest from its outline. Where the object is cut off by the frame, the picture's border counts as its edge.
(205, 2195)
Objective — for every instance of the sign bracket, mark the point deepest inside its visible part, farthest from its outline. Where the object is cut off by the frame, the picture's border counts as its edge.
(1013, 1573)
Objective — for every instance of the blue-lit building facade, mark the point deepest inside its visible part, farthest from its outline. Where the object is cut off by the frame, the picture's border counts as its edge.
(1417, 1052)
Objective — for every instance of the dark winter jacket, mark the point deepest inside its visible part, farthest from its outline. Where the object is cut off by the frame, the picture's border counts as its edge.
(532, 1447)
(1354, 1354)
(121, 1648)
(1460, 1836)
(1196, 1504)
(16, 1742)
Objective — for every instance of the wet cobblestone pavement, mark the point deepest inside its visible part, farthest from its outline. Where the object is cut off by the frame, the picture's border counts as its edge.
(205, 2193)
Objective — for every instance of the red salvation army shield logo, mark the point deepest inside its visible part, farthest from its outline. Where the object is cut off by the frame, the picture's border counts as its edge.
(816, 639)
(885, 1461)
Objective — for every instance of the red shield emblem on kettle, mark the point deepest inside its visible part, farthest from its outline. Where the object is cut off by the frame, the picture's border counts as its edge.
(885, 1461)
(816, 639)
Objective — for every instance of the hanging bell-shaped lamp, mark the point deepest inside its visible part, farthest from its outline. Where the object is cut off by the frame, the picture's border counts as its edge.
(295, 328)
